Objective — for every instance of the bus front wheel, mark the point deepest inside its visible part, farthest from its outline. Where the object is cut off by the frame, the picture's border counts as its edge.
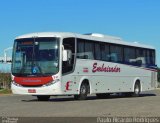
(83, 92)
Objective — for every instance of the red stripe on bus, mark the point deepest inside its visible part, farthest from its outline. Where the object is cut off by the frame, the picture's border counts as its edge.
(149, 69)
(33, 80)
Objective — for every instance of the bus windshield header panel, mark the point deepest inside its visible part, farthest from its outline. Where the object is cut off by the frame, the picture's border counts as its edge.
(35, 57)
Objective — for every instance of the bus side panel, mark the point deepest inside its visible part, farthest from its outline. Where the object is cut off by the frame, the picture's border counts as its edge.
(120, 79)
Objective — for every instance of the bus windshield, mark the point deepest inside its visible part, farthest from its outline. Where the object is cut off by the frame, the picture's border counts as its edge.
(35, 57)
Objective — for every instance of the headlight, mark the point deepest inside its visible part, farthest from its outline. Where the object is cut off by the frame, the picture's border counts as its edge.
(53, 82)
(16, 84)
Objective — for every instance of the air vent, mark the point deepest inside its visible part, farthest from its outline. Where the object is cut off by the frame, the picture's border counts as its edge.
(104, 36)
(95, 34)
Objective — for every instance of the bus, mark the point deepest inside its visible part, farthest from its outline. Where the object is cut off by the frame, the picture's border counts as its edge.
(58, 63)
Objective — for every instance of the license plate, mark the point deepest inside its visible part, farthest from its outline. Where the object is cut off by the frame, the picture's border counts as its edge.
(31, 90)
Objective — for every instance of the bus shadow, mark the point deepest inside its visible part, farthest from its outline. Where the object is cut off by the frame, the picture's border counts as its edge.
(67, 99)
(147, 95)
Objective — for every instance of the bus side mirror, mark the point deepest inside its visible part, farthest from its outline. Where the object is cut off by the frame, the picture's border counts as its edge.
(67, 55)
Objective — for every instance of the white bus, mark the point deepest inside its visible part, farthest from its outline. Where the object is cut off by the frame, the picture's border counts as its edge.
(48, 64)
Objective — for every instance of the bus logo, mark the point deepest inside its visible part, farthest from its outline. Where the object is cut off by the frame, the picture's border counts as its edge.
(104, 68)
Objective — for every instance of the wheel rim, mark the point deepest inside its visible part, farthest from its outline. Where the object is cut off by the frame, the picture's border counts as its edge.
(83, 89)
(137, 90)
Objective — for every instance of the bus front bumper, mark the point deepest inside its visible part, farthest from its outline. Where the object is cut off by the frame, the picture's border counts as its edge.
(54, 89)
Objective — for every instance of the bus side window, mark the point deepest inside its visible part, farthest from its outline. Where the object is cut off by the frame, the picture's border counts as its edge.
(89, 49)
(113, 57)
(80, 49)
(140, 57)
(129, 55)
(116, 52)
(85, 49)
(105, 52)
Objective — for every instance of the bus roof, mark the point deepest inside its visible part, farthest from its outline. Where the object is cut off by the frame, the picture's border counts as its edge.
(90, 36)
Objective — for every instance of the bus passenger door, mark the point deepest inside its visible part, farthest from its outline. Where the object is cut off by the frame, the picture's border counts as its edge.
(68, 65)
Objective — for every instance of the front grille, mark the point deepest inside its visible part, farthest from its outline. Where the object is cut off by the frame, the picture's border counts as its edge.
(32, 85)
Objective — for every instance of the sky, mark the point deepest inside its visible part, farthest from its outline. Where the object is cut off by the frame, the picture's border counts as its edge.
(132, 20)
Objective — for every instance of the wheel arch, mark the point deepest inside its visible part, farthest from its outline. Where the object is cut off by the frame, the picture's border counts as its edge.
(84, 80)
(137, 80)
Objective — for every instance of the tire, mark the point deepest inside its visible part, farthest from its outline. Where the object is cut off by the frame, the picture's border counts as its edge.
(83, 92)
(43, 98)
(102, 95)
(137, 90)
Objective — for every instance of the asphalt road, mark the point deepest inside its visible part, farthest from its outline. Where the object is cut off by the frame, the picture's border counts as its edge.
(148, 104)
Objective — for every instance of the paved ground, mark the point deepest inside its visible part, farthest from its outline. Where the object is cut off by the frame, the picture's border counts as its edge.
(148, 105)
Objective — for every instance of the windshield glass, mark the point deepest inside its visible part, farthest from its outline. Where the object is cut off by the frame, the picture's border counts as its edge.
(35, 57)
